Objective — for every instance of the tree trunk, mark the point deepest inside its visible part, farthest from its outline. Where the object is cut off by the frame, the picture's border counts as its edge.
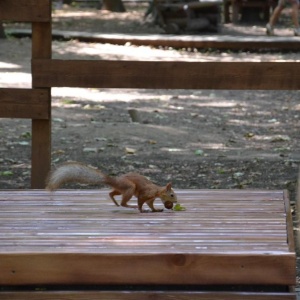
(2, 33)
(114, 5)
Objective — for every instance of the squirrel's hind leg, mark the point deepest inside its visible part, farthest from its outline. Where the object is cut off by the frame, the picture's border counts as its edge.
(126, 197)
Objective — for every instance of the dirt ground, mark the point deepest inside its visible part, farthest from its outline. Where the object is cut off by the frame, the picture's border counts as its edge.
(194, 138)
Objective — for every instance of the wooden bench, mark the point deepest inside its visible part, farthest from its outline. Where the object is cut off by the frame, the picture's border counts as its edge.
(233, 9)
(176, 16)
(228, 244)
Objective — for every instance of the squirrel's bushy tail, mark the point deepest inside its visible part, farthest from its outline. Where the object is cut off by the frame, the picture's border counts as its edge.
(73, 172)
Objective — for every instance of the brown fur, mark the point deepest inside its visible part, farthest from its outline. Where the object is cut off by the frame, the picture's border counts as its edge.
(127, 185)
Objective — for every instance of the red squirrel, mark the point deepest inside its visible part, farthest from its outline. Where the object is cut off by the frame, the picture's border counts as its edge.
(127, 185)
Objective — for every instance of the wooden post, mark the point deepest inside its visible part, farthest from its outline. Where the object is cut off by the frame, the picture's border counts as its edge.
(41, 129)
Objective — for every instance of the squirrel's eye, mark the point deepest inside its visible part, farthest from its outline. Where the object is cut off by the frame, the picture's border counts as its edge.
(172, 195)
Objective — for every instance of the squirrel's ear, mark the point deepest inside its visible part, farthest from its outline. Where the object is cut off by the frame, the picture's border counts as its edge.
(169, 186)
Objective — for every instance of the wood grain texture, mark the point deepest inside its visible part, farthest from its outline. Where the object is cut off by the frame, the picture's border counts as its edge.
(25, 10)
(24, 103)
(81, 237)
(41, 129)
(141, 269)
(150, 295)
(167, 75)
(40, 152)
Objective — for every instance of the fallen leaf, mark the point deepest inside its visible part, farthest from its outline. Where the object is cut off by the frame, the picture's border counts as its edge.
(87, 106)
(23, 143)
(199, 152)
(280, 138)
(238, 175)
(152, 142)
(6, 173)
(90, 150)
(26, 135)
(272, 121)
(221, 171)
(58, 152)
(249, 135)
(57, 120)
(100, 139)
(130, 150)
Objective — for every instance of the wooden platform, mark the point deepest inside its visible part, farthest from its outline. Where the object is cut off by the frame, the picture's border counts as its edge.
(217, 41)
(240, 239)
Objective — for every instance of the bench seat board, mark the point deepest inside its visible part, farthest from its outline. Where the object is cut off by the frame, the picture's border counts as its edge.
(224, 237)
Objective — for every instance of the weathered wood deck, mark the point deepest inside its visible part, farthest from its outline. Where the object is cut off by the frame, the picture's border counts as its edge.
(77, 238)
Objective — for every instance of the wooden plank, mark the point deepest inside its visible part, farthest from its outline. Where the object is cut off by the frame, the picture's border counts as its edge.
(41, 129)
(24, 103)
(217, 194)
(145, 295)
(25, 10)
(167, 75)
(89, 268)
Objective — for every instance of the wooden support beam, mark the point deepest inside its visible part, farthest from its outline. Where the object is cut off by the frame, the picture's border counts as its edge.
(167, 75)
(25, 10)
(24, 103)
(41, 129)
